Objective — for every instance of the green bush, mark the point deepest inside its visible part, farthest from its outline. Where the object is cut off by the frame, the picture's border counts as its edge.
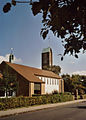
(55, 92)
(67, 93)
(15, 102)
(84, 96)
(2, 106)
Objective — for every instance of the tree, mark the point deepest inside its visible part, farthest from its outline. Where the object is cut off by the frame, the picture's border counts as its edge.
(65, 18)
(8, 83)
(54, 68)
(77, 84)
(83, 81)
(68, 86)
(73, 83)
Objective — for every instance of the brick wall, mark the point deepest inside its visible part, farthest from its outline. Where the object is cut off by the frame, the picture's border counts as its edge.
(42, 88)
(31, 89)
(61, 86)
(23, 86)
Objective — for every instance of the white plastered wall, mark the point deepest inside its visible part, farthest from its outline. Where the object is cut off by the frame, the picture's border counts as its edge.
(51, 84)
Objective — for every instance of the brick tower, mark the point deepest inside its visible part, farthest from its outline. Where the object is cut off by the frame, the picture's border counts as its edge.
(47, 57)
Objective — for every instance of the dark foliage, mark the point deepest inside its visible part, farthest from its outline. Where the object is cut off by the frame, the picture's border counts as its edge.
(54, 68)
(7, 7)
(16, 102)
(71, 83)
(8, 82)
(65, 18)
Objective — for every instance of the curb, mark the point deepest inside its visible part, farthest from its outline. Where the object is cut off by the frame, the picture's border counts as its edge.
(35, 108)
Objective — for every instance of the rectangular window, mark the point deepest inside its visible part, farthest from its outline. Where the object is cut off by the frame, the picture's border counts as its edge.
(50, 81)
(55, 81)
(43, 79)
(2, 93)
(10, 93)
(47, 80)
(37, 88)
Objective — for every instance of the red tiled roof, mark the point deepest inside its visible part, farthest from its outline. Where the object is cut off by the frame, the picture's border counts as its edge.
(30, 73)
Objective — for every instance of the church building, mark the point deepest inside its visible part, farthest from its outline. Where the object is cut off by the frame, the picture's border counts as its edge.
(33, 80)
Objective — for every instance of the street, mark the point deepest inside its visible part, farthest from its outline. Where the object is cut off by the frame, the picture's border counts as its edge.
(75, 111)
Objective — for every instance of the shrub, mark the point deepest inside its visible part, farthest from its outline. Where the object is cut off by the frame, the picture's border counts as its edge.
(15, 102)
(67, 93)
(2, 106)
(84, 96)
(55, 92)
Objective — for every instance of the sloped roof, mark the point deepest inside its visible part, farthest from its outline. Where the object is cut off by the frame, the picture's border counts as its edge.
(30, 73)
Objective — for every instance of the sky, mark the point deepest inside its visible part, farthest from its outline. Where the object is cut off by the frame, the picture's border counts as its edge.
(20, 30)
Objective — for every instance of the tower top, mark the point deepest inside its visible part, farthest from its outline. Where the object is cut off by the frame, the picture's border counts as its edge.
(46, 50)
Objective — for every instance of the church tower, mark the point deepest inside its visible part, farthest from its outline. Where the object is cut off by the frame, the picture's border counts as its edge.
(47, 57)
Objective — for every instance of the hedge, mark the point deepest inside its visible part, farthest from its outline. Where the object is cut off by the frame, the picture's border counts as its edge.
(84, 96)
(15, 102)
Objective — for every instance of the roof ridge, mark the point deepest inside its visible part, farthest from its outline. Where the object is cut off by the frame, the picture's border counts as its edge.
(32, 70)
(28, 66)
(20, 65)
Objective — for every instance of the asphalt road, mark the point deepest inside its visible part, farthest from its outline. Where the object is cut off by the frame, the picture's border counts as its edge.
(75, 111)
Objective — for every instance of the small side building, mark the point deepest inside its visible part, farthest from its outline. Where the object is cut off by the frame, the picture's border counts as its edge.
(32, 80)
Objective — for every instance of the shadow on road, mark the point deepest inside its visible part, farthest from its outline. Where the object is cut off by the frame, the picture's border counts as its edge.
(81, 107)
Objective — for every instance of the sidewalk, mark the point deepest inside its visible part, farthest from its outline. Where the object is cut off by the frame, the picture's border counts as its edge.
(34, 108)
